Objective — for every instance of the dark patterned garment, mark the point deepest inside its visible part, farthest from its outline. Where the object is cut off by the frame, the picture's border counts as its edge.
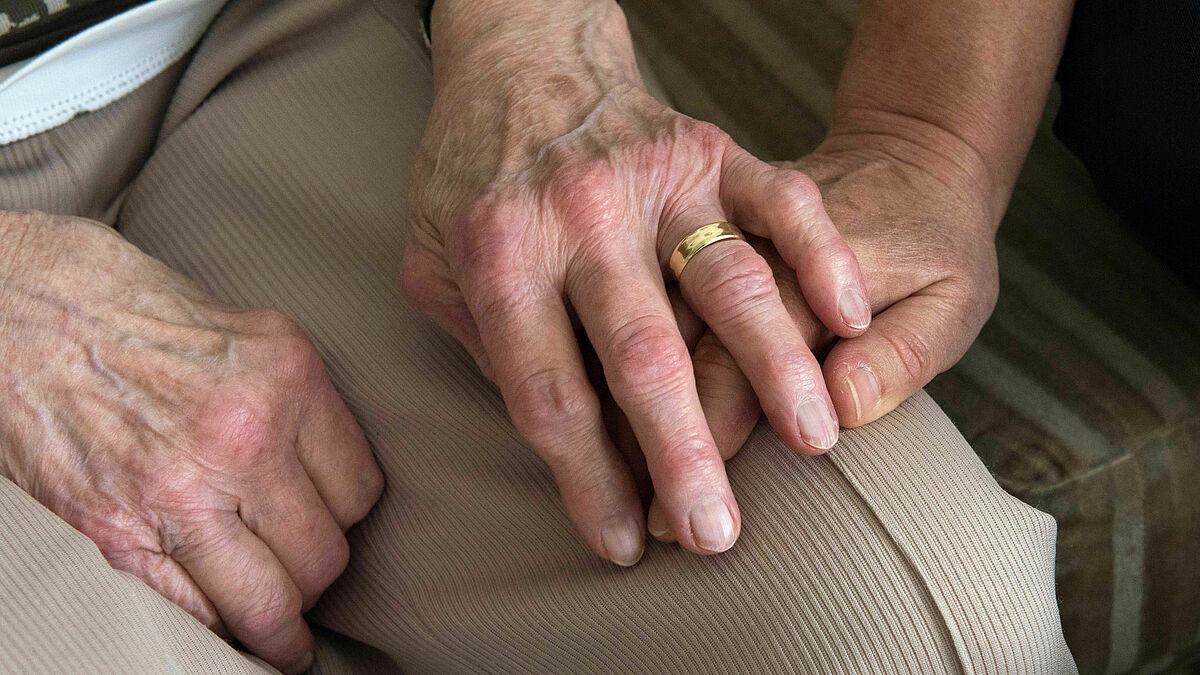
(1130, 80)
(28, 27)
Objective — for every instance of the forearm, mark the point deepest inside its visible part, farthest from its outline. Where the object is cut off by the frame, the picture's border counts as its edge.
(962, 81)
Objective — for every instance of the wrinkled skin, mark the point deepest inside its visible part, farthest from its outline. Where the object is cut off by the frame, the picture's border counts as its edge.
(927, 247)
(928, 255)
(550, 186)
(201, 446)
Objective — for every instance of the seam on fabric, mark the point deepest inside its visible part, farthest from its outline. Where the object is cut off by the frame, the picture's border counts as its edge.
(943, 612)
(169, 108)
(271, 46)
(419, 621)
(56, 143)
(102, 93)
(164, 113)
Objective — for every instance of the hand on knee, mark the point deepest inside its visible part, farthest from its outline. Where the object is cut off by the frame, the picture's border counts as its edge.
(200, 445)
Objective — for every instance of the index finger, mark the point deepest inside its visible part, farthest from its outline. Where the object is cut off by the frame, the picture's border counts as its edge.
(785, 206)
(335, 455)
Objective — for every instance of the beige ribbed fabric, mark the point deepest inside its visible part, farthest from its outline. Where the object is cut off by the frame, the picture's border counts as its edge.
(64, 610)
(278, 180)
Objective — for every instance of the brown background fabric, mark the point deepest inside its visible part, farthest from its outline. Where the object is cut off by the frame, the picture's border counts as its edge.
(276, 179)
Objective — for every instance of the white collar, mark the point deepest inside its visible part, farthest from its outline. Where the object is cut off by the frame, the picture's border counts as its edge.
(99, 65)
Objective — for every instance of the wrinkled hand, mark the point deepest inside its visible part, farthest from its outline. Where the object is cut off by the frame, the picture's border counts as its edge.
(550, 186)
(199, 445)
(928, 256)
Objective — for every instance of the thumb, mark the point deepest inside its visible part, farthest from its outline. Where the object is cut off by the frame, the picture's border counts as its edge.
(905, 347)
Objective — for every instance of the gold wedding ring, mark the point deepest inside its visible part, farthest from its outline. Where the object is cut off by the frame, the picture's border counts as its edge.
(698, 240)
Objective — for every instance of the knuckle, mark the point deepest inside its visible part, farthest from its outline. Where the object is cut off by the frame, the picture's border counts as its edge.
(975, 298)
(487, 238)
(833, 251)
(163, 575)
(644, 344)
(745, 284)
(648, 357)
(273, 322)
(914, 352)
(797, 191)
(415, 284)
(298, 360)
(989, 295)
(137, 561)
(290, 352)
(269, 607)
(327, 562)
(238, 426)
(553, 402)
(371, 484)
(706, 134)
(985, 286)
(584, 192)
(689, 460)
(971, 292)
(497, 296)
(187, 532)
(136, 552)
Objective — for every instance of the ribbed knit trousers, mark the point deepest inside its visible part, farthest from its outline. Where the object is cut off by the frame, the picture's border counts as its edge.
(270, 167)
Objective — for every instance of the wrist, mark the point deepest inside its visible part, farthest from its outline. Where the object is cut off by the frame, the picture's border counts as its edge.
(943, 153)
(513, 75)
(528, 37)
(560, 55)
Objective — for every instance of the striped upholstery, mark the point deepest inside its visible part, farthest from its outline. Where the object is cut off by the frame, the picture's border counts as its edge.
(1082, 394)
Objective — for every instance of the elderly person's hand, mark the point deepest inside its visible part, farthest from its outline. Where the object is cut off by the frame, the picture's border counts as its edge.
(550, 186)
(199, 445)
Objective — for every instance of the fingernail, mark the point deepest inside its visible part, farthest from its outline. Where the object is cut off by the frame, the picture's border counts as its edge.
(712, 525)
(656, 521)
(854, 308)
(864, 389)
(622, 537)
(817, 427)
